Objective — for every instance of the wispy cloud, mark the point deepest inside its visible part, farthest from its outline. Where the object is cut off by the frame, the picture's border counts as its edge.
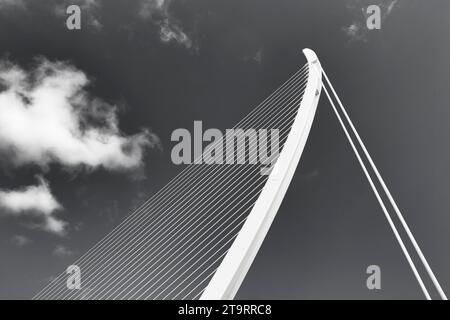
(255, 56)
(20, 240)
(357, 30)
(157, 11)
(84, 4)
(170, 29)
(62, 251)
(170, 32)
(47, 117)
(12, 4)
(37, 202)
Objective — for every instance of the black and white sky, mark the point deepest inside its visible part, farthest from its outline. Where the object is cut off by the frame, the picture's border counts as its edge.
(86, 117)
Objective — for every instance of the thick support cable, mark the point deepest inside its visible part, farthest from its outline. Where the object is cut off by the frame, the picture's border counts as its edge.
(380, 201)
(388, 194)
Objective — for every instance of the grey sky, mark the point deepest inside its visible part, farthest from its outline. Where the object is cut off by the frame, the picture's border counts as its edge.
(166, 65)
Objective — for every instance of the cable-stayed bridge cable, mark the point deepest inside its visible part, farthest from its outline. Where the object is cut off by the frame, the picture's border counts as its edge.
(388, 193)
(44, 293)
(379, 199)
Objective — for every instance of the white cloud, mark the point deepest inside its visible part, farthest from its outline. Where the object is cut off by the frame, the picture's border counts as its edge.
(11, 3)
(170, 32)
(20, 240)
(36, 201)
(62, 251)
(170, 29)
(47, 116)
(87, 3)
(356, 32)
(148, 7)
(390, 6)
(84, 4)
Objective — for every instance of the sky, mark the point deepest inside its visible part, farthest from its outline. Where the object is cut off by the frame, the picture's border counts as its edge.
(86, 117)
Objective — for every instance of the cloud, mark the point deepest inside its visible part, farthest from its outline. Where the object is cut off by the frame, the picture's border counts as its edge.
(47, 116)
(158, 11)
(148, 7)
(90, 7)
(390, 6)
(11, 4)
(84, 4)
(256, 56)
(20, 240)
(62, 251)
(357, 30)
(36, 201)
(88, 4)
(170, 32)
(170, 29)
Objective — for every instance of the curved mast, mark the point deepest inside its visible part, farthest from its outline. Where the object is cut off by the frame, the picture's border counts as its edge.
(231, 272)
